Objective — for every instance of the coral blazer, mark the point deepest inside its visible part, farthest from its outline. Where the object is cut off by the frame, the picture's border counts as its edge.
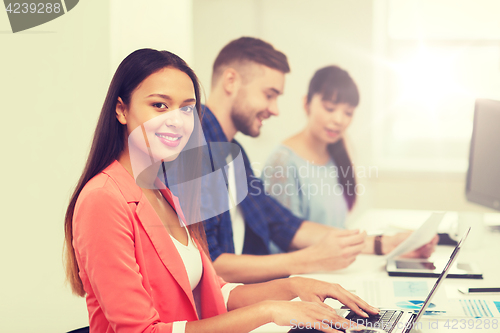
(133, 275)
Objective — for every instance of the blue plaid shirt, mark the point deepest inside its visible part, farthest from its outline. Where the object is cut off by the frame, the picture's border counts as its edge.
(265, 218)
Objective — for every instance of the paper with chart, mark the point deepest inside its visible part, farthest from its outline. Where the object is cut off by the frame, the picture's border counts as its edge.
(474, 307)
(404, 294)
(408, 294)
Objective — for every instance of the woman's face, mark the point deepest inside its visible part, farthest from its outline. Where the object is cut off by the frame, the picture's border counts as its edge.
(327, 120)
(160, 114)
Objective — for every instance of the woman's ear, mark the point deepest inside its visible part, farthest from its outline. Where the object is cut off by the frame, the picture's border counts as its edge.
(306, 105)
(121, 110)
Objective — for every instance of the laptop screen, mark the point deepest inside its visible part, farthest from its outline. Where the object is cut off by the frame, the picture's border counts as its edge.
(442, 276)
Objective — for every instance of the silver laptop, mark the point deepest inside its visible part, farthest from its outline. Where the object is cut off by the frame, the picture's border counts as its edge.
(395, 320)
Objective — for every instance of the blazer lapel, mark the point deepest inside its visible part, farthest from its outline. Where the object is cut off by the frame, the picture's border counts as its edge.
(164, 246)
(155, 229)
(212, 301)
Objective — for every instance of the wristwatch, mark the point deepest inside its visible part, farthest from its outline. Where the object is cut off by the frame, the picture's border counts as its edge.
(377, 245)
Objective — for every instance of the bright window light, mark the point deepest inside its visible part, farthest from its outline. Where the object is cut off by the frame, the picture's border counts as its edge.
(431, 91)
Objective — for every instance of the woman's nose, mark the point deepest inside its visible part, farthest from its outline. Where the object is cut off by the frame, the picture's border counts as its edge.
(174, 118)
(338, 117)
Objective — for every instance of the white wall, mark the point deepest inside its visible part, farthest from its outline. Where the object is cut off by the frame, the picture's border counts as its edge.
(53, 80)
(157, 24)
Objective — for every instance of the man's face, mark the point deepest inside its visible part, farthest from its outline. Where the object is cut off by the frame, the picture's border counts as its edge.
(256, 100)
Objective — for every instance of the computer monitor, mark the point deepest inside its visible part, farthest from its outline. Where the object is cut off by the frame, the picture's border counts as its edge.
(483, 175)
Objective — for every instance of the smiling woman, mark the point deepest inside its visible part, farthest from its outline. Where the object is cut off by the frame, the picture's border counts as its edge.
(130, 251)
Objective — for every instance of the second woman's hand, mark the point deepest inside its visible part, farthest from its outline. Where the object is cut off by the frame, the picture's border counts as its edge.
(389, 243)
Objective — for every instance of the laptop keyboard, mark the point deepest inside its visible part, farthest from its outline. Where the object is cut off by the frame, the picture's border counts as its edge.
(385, 320)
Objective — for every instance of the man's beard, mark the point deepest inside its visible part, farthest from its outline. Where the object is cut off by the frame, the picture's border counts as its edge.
(243, 122)
(243, 118)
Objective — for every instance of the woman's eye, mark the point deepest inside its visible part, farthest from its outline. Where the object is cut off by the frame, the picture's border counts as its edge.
(348, 112)
(188, 108)
(160, 106)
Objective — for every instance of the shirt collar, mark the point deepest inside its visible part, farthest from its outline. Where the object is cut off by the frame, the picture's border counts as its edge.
(212, 126)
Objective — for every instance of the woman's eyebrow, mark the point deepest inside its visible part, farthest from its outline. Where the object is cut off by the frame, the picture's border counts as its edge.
(168, 98)
(162, 96)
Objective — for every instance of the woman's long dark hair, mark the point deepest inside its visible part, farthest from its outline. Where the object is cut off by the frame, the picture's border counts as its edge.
(335, 85)
(110, 135)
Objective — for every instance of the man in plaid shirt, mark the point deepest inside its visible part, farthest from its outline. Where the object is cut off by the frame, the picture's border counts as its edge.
(248, 76)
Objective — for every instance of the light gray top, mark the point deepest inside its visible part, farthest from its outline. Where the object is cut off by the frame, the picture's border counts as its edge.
(310, 191)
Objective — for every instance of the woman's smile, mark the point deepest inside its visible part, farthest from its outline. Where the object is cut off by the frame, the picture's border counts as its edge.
(332, 133)
(169, 139)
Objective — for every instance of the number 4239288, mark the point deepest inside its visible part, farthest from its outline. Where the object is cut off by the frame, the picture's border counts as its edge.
(471, 324)
(33, 8)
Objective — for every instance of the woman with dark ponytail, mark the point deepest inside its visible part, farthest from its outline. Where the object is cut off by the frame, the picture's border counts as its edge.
(141, 261)
(311, 173)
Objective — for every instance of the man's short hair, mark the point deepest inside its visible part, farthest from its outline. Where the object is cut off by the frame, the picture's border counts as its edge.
(249, 49)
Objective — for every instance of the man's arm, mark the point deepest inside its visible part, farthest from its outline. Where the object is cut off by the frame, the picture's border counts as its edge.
(335, 250)
(247, 268)
(309, 233)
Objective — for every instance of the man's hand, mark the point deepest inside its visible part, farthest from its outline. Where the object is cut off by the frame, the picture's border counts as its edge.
(390, 242)
(336, 250)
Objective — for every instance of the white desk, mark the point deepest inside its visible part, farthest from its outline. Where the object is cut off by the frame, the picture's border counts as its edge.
(373, 267)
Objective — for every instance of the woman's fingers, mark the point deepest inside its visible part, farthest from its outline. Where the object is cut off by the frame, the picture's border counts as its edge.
(364, 305)
(337, 322)
(354, 307)
(322, 317)
(340, 323)
(333, 320)
(361, 307)
(354, 302)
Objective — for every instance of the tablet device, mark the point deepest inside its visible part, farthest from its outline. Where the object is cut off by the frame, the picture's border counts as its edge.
(427, 268)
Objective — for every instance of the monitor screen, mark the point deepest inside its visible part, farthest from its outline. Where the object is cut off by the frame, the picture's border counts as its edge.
(483, 176)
